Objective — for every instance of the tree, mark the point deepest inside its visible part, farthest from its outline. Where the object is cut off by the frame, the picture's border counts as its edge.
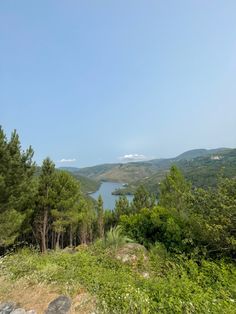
(175, 191)
(45, 202)
(142, 199)
(213, 217)
(100, 217)
(122, 207)
(87, 221)
(67, 192)
(16, 175)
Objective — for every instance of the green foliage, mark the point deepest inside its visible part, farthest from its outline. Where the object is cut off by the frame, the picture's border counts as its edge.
(65, 212)
(213, 219)
(187, 233)
(87, 221)
(100, 217)
(142, 199)
(156, 225)
(115, 237)
(87, 185)
(122, 207)
(174, 190)
(16, 187)
(45, 202)
(175, 285)
(10, 226)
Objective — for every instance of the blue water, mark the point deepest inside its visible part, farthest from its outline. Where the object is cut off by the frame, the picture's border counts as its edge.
(105, 191)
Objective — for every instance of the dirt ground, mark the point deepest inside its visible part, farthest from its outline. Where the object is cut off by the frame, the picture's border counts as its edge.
(37, 297)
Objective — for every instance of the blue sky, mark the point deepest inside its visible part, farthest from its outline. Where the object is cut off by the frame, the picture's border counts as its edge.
(94, 81)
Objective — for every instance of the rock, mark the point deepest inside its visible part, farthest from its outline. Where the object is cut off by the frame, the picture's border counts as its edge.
(60, 305)
(7, 307)
(145, 274)
(81, 247)
(69, 250)
(131, 252)
(19, 311)
(11, 308)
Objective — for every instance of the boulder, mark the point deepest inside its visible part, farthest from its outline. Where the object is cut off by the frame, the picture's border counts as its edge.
(131, 253)
(60, 305)
(11, 308)
(7, 307)
(19, 311)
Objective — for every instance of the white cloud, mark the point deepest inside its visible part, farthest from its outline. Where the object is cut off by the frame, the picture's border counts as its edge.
(133, 157)
(67, 160)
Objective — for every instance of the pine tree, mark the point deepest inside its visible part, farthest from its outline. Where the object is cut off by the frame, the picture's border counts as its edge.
(100, 217)
(142, 199)
(122, 207)
(16, 176)
(45, 202)
(67, 198)
(175, 191)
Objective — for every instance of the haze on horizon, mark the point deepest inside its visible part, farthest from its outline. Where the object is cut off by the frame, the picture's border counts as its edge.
(89, 82)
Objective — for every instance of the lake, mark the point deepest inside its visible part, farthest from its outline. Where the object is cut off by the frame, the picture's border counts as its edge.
(105, 191)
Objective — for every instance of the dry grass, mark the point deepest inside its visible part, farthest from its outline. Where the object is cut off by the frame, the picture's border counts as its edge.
(37, 297)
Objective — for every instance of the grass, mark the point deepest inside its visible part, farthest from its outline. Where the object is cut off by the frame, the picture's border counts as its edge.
(175, 285)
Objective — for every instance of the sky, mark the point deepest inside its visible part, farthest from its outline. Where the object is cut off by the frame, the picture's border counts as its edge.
(88, 82)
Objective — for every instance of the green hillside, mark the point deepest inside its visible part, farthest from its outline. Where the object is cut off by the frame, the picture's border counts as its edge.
(200, 166)
(194, 153)
(200, 171)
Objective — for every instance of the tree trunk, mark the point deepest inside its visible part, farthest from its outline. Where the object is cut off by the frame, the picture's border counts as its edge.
(52, 239)
(44, 232)
(83, 233)
(58, 241)
(62, 240)
(71, 236)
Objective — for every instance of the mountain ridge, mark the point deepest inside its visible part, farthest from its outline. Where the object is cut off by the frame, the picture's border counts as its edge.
(194, 164)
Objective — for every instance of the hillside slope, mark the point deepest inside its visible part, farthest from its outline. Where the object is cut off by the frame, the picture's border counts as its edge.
(200, 171)
(139, 171)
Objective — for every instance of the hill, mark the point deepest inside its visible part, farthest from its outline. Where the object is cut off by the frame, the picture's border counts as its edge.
(200, 171)
(200, 166)
(133, 171)
(194, 153)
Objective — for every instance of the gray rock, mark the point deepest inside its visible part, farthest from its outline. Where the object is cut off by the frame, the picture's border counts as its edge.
(19, 311)
(131, 252)
(31, 312)
(7, 307)
(60, 305)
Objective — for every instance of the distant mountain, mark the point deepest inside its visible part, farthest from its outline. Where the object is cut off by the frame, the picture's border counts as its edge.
(70, 169)
(200, 166)
(194, 153)
(134, 171)
(95, 171)
(200, 171)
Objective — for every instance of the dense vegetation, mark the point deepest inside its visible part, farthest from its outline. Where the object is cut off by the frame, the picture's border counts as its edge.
(48, 209)
(176, 284)
(189, 236)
